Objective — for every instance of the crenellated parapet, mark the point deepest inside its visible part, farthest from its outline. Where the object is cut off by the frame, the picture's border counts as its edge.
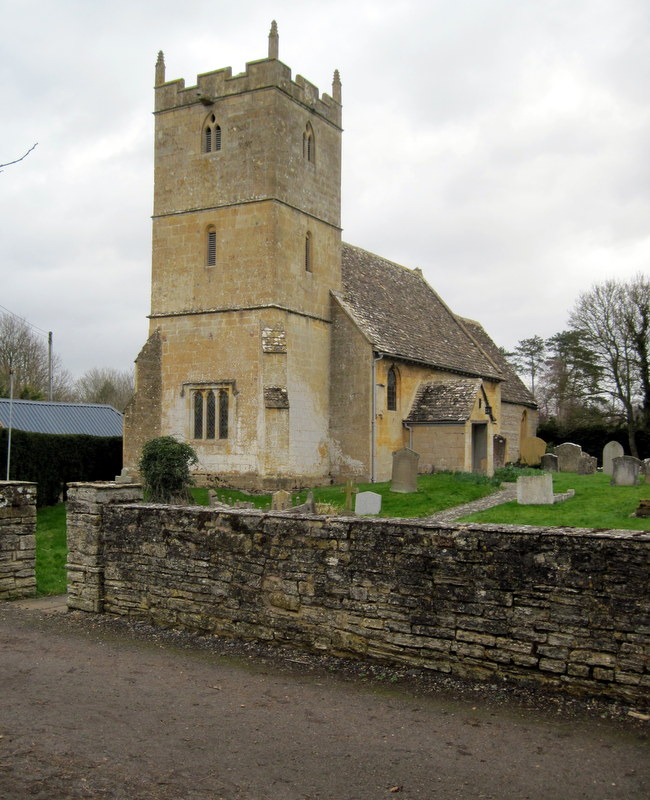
(259, 75)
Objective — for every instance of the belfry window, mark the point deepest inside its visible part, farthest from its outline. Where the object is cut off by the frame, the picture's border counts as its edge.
(211, 249)
(211, 135)
(210, 413)
(391, 390)
(308, 253)
(308, 144)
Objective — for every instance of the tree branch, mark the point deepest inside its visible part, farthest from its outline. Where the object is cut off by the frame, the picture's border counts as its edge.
(9, 163)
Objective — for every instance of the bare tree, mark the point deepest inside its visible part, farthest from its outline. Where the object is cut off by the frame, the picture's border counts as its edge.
(108, 386)
(528, 358)
(614, 319)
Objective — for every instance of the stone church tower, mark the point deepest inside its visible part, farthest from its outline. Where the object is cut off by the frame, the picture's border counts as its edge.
(246, 250)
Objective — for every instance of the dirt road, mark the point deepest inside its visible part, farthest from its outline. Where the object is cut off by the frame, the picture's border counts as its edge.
(98, 708)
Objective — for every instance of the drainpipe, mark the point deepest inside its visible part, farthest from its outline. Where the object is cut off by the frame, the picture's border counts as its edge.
(409, 428)
(373, 426)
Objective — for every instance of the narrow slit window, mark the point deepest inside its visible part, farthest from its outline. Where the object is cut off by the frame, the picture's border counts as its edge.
(198, 415)
(223, 414)
(391, 390)
(208, 139)
(217, 137)
(212, 248)
(308, 253)
(308, 148)
(210, 415)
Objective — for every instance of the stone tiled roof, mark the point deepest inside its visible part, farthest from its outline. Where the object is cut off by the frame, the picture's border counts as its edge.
(444, 401)
(513, 389)
(41, 416)
(402, 316)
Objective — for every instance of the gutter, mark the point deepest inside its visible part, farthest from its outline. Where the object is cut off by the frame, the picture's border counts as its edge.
(373, 426)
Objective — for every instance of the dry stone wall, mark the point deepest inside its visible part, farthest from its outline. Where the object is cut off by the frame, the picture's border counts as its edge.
(567, 608)
(17, 539)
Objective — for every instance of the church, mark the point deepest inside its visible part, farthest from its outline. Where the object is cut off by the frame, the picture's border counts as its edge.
(284, 356)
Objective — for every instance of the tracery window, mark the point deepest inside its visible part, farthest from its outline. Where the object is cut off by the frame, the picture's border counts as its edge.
(211, 135)
(309, 144)
(210, 409)
(391, 390)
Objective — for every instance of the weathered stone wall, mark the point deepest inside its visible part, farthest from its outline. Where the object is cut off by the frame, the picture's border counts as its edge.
(17, 539)
(565, 608)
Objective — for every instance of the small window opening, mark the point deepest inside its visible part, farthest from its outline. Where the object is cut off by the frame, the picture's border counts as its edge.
(212, 248)
(308, 150)
(217, 138)
(391, 390)
(223, 414)
(308, 254)
(210, 415)
(198, 415)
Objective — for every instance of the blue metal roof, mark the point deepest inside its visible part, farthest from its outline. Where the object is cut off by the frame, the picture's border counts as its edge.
(40, 416)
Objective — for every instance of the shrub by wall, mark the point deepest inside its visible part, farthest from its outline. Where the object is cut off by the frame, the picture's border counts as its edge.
(52, 461)
(568, 608)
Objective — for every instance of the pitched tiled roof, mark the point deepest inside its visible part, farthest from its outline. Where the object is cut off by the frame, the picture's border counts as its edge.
(39, 416)
(513, 389)
(444, 401)
(402, 316)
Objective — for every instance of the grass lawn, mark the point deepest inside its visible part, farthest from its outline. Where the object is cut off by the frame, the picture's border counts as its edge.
(51, 550)
(596, 505)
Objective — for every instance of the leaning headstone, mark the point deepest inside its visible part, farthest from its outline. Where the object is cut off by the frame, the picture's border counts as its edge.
(405, 471)
(568, 456)
(611, 451)
(549, 462)
(587, 464)
(280, 501)
(626, 471)
(499, 450)
(367, 503)
(535, 490)
(124, 477)
(531, 450)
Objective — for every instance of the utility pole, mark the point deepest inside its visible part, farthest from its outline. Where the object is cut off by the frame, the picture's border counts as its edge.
(49, 366)
(11, 410)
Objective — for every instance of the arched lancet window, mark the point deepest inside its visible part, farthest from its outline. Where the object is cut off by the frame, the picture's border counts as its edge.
(211, 247)
(223, 414)
(210, 415)
(198, 415)
(211, 135)
(308, 253)
(309, 144)
(391, 390)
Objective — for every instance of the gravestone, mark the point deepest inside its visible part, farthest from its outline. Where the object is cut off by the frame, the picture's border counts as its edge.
(568, 456)
(645, 469)
(611, 451)
(626, 471)
(499, 447)
(280, 501)
(349, 490)
(124, 476)
(535, 490)
(549, 462)
(367, 503)
(531, 450)
(587, 464)
(405, 471)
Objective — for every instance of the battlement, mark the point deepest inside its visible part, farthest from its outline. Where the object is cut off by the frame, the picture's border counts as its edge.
(261, 74)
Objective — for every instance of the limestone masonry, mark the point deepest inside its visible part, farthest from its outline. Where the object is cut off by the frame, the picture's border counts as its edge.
(283, 356)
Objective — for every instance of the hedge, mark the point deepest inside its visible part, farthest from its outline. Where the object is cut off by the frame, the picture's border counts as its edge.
(52, 460)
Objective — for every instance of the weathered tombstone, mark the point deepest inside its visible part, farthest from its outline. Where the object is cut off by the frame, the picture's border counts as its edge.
(611, 451)
(587, 464)
(568, 455)
(244, 504)
(626, 471)
(535, 490)
(499, 449)
(367, 503)
(308, 507)
(405, 471)
(549, 462)
(124, 476)
(349, 490)
(645, 469)
(280, 501)
(531, 450)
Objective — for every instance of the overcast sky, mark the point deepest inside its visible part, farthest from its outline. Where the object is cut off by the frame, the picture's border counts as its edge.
(499, 145)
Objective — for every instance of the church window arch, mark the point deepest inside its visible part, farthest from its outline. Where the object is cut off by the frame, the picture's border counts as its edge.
(391, 389)
(211, 246)
(210, 412)
(309, 144)
(211, 135)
